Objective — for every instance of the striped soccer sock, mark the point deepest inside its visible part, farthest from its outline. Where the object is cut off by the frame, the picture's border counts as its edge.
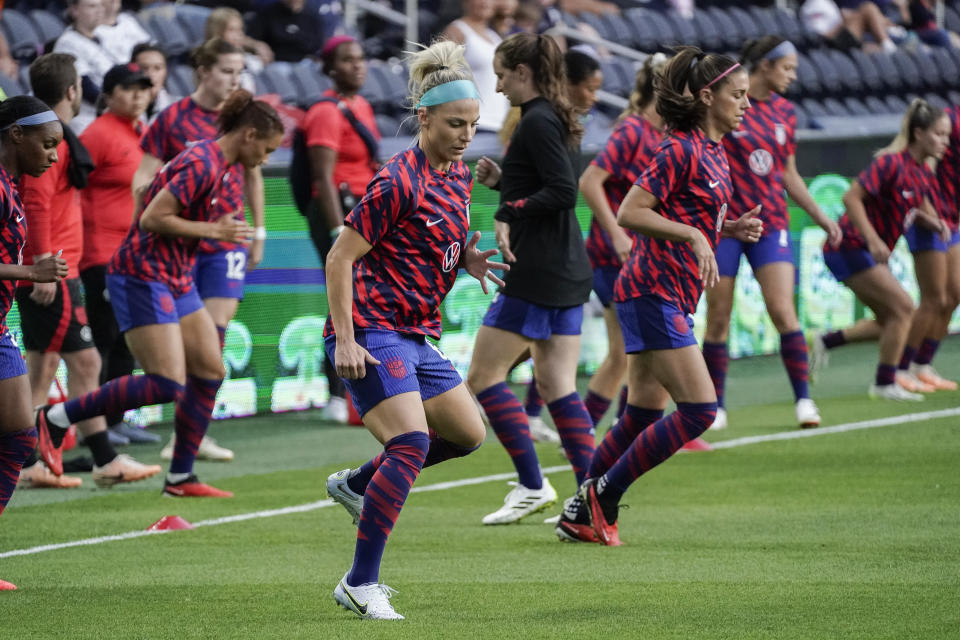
(15, 448)
(509, 422)
(620, 436)
(576, 432)
(533, 404)
(116, 396)
(388, 489)
(596, 406)
(717, 358)
(793, 352)
(190, 421)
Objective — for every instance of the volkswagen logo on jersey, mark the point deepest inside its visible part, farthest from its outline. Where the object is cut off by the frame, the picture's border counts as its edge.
(721, 217)
(781, 132)
(451, 258)
(761, 162)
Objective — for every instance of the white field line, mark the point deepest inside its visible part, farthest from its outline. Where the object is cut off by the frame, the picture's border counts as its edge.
(443, 486)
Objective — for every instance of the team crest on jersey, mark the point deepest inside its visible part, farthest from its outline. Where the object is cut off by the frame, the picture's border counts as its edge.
(780, 132)
(761, 162)
(721, 217)
(451, 257)
(395, 367)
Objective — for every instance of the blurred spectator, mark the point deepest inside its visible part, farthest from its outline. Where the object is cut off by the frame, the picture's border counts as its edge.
(503, 17)
(919, 16)
(227, 23)
(113, 141)
(8, 66)
(292, 31)
(472, 30)
(153, 62)
(119, 32)
(91, 59)
(861, 17)
(597, 7)
(341, 137)
(584, 78)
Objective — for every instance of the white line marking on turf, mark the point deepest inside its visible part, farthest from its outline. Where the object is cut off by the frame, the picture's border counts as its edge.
(453, 484)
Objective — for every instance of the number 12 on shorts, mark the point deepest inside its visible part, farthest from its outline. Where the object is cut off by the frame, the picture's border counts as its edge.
(236, 264)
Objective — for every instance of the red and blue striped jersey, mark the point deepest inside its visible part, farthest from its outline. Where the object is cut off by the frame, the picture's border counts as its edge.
(627, 153)
(758, 153)
(197, 178)
(895, 184)
(417, 220)
(690, 177)
(180, 126)
(13, 235)
(948, 174)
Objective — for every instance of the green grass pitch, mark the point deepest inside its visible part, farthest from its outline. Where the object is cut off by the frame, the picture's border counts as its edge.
(847, 535)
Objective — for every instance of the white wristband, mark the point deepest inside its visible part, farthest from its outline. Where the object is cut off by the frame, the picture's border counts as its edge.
(260, 233)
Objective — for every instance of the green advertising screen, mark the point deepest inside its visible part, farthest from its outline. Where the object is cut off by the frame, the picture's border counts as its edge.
(274, 346)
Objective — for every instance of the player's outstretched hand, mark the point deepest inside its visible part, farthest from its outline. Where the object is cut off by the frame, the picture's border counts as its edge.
(351, 360)
(49, 269)
(706, 260)
(748, 227)
(233, 228)
(478, 264)
(488, 172)
(834, 233)
(878, 251)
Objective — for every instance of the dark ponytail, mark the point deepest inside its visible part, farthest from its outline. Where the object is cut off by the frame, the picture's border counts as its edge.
(678, 87)
(642, 95)
(241, 110)
(545, 60)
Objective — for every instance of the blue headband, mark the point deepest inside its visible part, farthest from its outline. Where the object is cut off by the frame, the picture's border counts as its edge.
(448, 92)
(38, 118)
(785, 48)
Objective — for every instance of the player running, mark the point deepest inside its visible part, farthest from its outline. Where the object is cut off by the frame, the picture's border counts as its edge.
(29, 135)
(762, 161)
(678, 206)
(387, 274)
(151, 287)
(887, 198)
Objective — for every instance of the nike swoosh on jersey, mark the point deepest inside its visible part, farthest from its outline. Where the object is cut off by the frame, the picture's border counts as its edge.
(713, 185)
(430, 223)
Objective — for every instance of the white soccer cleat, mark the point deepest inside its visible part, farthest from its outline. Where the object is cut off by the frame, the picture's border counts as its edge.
(819, 354)
(720, 421)
(370, 601)
(336, 410)
(908, 381)
(808, 416)
(893, 392)
(209, 450)
(541, 432)
(341, 493)
(521, 502)
(123, 469)
(927, 374)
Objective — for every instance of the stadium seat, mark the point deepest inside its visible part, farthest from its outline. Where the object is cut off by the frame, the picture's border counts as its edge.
(856, 107)
(305, 76)
(193, 19)
(667, 34)
(792, 29)
(829, 75)
(936, 100)
(180, 80)
(616, 28)
(387, 126)
(889, 72)
(394, 81)
(947, 65)
(685, 29)
(729, 28)
(954, 97)
(927, 68)
(749, 27)
(895, 104)
(803, 120)
(952, 18)
(645, 37)
(22, 38)
(765, 19)
(10, 86)
(708, 34)
(876, 105)
(617, 76)
(847, 70)
(807, 77)
(834, 107)
(48, 25)
(867, 70)
(276, 77)
(908, 70)
(166, 30)
(25, 78)
(813, 108)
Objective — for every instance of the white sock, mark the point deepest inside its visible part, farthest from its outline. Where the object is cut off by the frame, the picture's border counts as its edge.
(57, 416)
(174, 478)
(888, 46)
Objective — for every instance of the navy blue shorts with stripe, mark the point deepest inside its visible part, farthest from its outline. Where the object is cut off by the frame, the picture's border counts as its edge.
(650, 322)
(11, 360)
(532, 320)
(221, 274)
(137, 303)
(773, 247)
(407, 363)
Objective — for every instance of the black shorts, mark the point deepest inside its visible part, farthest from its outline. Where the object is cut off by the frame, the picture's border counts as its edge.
(60, 327)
